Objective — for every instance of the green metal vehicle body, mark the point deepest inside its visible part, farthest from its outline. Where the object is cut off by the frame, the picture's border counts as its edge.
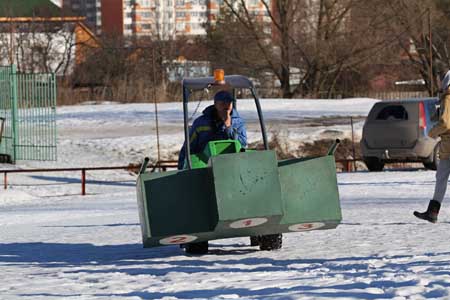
(227, 191)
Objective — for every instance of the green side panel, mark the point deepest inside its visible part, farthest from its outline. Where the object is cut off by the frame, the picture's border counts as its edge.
(247, 185)
(142, 207)
(310, 192)
(177, 202)
(238, 194)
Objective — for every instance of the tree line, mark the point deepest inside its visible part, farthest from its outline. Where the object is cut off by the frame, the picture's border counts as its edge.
(335, 45)
(291, 49)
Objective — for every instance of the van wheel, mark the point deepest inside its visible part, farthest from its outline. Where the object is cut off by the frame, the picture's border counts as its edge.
(374, 164)
(433, 163)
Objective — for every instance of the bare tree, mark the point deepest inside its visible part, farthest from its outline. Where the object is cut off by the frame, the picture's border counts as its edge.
(319, 40)
(422, 30)
(131, 68)
(231, 46)
(39, 46)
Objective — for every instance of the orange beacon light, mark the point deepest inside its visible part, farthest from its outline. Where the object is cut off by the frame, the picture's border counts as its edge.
(219, 76)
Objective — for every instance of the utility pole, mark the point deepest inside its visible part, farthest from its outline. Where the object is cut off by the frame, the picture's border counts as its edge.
(431, 53)
(156, 105)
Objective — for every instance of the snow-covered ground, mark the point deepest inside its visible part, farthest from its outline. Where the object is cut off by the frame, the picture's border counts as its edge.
(128, 132)
(57, 244)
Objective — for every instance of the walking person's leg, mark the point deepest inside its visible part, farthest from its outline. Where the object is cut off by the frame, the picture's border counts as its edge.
(440, 187)
(442, 174)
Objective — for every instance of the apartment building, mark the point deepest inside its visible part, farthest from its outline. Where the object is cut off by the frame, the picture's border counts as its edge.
(162, 18)
(149, 18)
(167, 18)
(191, 15)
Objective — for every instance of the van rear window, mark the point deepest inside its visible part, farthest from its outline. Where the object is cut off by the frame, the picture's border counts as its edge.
(393, 112)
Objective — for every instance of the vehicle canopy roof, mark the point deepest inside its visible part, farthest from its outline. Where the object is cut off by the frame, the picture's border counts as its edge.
(233, 81)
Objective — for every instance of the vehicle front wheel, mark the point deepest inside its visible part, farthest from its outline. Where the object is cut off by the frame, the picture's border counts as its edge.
(374, 164)
(197, 248)
(433, 162)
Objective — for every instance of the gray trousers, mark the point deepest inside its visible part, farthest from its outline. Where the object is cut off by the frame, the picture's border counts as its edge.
(442, 174)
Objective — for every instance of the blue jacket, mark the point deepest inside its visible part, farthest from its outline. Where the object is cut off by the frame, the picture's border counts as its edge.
(208, 128)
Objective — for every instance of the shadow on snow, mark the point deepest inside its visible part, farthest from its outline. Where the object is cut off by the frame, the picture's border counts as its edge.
(133, 260)
(70, 180)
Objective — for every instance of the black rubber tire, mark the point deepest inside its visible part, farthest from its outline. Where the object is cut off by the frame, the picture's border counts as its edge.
(433, 162)
(270, 242)
(374, 164)
(196, 248)
(254, 240)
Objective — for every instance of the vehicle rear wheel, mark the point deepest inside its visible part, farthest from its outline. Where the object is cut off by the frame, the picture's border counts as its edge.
(374, 164)
(270, 242)
(197, 248)
(433, 162)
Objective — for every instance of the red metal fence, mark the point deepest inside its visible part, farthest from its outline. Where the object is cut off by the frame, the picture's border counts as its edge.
(342, 165)
(161, 166)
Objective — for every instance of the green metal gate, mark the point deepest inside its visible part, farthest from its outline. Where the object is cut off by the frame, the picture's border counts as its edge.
(27, 115)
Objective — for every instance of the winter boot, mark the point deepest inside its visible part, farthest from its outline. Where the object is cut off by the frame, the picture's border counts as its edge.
(431, 214)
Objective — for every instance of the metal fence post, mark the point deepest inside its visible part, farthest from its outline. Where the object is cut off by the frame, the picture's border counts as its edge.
(13, 91)
(83, 182)
(353, 145)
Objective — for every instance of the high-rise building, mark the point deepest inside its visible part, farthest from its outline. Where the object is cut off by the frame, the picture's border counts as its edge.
(91, 9)
(191, 15)
(161, 18)
(149, 18)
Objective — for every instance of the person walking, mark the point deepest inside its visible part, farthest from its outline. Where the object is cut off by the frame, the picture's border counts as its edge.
(442, 130)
